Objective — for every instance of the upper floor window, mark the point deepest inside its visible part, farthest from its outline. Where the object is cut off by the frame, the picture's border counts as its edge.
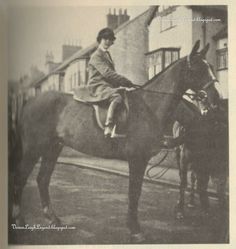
(166, 22)
(159, 59)
(222, 59)
(167, 17)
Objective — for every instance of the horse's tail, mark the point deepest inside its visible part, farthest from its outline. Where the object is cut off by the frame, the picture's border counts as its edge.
(15, 151)
(15, 148)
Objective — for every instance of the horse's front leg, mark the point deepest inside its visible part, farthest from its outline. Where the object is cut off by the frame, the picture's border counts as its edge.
(220, 180)
(202, 184)
(183, 169)
(137, 168)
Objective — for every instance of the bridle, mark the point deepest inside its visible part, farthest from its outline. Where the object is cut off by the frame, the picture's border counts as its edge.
(198, 95)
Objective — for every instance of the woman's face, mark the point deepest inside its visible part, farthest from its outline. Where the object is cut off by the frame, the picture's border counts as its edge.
(106, 43)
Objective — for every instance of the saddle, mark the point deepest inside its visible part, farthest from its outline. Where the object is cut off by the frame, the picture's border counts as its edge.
(120, 120)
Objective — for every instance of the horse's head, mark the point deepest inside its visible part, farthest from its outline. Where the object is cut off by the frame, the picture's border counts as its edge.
(198, 99)
(200, 76)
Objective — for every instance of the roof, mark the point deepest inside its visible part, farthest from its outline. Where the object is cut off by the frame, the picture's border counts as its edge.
(152, 10)
(84, 53)
(214, 10)
(210, 7)
(218, 11)
(223, 33)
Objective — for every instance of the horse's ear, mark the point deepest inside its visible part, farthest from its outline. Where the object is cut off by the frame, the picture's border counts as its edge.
(204, 50)
(195, 48)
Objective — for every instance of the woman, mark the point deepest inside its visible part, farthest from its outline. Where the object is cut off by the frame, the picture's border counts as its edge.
(104, 82)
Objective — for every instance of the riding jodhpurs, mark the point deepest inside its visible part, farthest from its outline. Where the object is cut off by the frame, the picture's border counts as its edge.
(115, 101)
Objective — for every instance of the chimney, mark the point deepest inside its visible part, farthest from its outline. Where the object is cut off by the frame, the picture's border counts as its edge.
(49, 57)
(123, 17)
(69, 50)
(49, 62)
(114, 20)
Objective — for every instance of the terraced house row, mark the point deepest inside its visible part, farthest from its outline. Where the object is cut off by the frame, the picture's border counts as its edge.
(146, 45)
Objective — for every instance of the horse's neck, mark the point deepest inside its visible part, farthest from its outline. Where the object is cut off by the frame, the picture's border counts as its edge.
(164, 92)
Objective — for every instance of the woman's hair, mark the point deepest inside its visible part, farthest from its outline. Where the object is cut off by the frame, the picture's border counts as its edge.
(105, 33)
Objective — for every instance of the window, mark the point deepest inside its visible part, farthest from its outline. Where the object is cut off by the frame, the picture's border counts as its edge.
(166, 22)
(79, 79)
(167, 58)
(159, 59)
(222, 59)
(70, 81)
(75, 80)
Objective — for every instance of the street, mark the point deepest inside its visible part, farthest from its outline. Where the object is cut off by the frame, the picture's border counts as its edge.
(95, 204)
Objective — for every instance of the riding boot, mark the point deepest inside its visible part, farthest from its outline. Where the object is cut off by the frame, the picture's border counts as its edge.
(109, 124)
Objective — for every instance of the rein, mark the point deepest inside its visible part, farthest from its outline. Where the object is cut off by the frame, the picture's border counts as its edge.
(191, 95)
(161, 172)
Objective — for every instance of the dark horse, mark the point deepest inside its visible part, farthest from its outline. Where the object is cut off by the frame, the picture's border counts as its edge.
(205, 151)
(55, 119)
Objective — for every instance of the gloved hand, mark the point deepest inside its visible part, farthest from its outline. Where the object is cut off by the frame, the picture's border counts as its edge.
(128, 89)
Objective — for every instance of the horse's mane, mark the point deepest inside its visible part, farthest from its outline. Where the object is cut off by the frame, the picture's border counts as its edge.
(162, 72)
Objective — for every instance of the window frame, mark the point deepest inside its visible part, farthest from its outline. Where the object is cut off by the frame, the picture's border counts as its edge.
(163, 58)
(219, 52)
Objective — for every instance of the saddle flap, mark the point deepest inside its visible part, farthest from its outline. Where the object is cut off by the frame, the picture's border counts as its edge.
(120, 117)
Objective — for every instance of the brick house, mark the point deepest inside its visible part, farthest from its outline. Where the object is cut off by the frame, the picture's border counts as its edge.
(173, 30)
(128, 53)
(221, 39)
(54, 77)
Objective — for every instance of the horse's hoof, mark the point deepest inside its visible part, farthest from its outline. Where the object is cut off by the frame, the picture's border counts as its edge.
(179, 216)
(19, 221)
(137, 238)
(56, 221)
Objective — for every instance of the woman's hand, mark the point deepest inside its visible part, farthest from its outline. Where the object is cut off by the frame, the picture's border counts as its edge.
(128, 89)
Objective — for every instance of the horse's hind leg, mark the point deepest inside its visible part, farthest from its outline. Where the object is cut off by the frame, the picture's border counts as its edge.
(43, 179)
(202, 184)
(26, 165)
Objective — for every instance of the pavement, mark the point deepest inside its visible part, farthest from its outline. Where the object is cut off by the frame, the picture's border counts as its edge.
(166, 173)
